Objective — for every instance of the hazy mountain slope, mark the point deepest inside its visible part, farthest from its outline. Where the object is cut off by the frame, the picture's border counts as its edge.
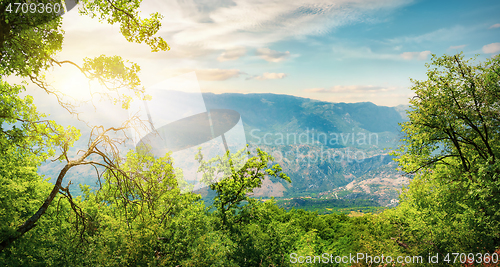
(269, 111)
(280, 115)
(338, 131)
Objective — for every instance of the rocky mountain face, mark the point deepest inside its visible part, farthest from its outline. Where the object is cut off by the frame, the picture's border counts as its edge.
(328, 149)
(336, 150)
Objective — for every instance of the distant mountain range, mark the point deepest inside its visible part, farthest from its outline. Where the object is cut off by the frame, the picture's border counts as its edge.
(322, 146)
(364, 129)
(285, 112)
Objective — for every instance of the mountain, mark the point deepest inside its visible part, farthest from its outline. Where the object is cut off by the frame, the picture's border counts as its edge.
(273, 111)
(340, 129)
(322, 146)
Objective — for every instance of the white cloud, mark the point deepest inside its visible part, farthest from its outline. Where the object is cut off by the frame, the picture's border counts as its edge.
(342, 51)
(415, 55)
(268, 76)
(208, 74)
(380, 95)
(366, 52)
(227, 23)
(495, 26)
(443, 34)
(316, 90)
(457, 47)
(195, 29)
(232, 54)
(217, 74)
(351, 89)
(272, 55)
(491, 48)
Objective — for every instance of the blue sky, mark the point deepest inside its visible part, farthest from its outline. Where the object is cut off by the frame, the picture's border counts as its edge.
(339, 51)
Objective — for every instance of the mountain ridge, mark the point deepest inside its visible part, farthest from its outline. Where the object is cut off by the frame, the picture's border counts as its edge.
(347, 129)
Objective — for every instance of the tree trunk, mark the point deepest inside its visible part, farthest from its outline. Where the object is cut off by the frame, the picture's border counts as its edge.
(31, 222)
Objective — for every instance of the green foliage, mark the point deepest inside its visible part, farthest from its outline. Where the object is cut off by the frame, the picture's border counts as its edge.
(326, 206)
(452, 146)
(21, 190)
(27, 41)
(132, 27)
(141, 218)
(145, 214)
(28, 44)
(22, 125)
(454, 115)
(191, 239)
(233, 178)
(133, 206)
(26, 141)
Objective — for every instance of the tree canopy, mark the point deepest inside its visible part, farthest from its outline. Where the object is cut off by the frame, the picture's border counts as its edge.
(141, 216)
(28, 44)
(451, 145)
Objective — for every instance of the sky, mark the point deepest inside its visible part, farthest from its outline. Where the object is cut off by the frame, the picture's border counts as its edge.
(337, 51)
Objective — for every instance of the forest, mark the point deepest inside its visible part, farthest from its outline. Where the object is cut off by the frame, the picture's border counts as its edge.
(141, 216)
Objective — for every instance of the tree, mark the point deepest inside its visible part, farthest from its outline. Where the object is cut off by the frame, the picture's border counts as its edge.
(130, 214)
(233, 178)
(451, 145)
(258, 235)
(28, 46)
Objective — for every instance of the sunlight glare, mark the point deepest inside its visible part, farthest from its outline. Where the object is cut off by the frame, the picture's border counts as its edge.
(76, 85)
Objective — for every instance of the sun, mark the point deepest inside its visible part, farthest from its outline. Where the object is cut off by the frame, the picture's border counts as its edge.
(74, 84)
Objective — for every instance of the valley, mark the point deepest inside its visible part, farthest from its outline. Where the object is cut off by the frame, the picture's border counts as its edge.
(336, 154)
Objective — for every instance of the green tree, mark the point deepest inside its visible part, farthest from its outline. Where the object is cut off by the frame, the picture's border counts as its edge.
(451, 146)
(130, 213)
(28, 45)
(192, 238)
(234, 178)
(253, 226)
